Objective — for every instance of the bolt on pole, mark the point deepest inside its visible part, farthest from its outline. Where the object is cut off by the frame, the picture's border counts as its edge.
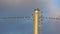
(36, 21)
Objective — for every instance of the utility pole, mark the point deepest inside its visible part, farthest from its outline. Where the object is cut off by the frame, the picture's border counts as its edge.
(36, 21)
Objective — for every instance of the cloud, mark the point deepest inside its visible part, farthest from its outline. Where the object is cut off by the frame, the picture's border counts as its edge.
(53, 11)
(17, 7)
(50, 7)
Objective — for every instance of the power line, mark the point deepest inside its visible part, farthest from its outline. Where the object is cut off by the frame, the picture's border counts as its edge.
(27, 17)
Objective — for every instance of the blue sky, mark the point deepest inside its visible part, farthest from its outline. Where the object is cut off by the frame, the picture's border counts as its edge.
(12, 8)
(58, 3)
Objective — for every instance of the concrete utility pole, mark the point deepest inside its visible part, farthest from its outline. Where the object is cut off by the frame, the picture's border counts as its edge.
(36, 21)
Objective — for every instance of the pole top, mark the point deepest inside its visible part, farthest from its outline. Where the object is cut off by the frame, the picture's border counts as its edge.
(37, 9)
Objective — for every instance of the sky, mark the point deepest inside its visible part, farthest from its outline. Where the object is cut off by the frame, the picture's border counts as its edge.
(13, 8)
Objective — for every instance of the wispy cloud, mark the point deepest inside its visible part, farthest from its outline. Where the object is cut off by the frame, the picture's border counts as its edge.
(50, 7)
